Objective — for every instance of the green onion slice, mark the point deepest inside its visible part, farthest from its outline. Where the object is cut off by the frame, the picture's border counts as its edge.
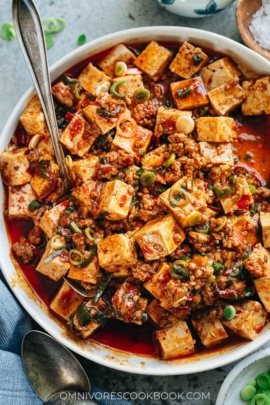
(75, 90)
(102, 286)
(182, 93)
(75, 257)
(114, 87)
(229, 312)
(53, 255)
(82, 39)
(223, 223)
(147, 178)
(75, 227)
(178, 269)
(203, 228)
(260, 399)
(263, 381)
(211, 279)
(61, 24)
(69, 210)
(120, 69)
(252, 189)
(7, 31)
(104, 113)
(84, 316)
(88, 232)
(90, 258)
(218, 267)
(34, 205)
(58, 242)
(222, 193)
(196, 60)
(248, 392)
(194, 218)
(178, 197)
(49, 40)
(141, 95)
(101, 318)
(49, 25)
(169, 160)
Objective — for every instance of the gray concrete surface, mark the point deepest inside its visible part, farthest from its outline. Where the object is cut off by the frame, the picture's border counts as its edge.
(96, 18)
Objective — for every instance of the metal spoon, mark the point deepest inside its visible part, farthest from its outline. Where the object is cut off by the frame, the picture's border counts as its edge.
(79, 288)
(54, 374)
(30, 34)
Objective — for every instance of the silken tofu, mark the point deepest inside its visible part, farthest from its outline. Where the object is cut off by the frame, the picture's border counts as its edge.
(91, 78)
(130, 85)
(249, 320)
(166, 120)
(216, 129)
(257, 94)
(79, 136)
(262, 286)
(115, 199)
(210, 331)
(56, 268)
(66, 301)
(15, 167)
(188, 61)
(227, 97)
(216, 154)
(85, 169)
(258, 262)
(19, 199)
(136, 145)
(218, 73)
(156, 284)
(265, 225)
(190, 93)
(175, 341)
(33, 119)
(119, 53)
(230, 203)
(50, 218)
(160, 237)
(104, 124)
(196, 201)
(153, 60)
(45, 186)
(244, 222)
(89, 274)
(117, 252)
(160, 316)
(155, 157)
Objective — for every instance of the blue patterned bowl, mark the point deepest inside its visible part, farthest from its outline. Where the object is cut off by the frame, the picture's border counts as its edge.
(195, 8)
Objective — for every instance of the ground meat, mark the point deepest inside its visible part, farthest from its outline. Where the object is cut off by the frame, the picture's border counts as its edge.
(147, 202)
(109, 103)
(24, 250)
(85, 223)
(208, 294)
(218, 175)
(145, 113)
(33, 155)
(65, 220)
(175, 293)
(263, 192)
(35, 235)
(197, 237)
(63, 94)
(111, 227)
(175, 173)
(144, 271)
(79, 241)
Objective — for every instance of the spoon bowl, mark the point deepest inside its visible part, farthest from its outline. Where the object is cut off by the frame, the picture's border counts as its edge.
(245, 11)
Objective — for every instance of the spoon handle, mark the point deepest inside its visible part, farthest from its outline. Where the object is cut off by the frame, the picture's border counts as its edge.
(31, 39)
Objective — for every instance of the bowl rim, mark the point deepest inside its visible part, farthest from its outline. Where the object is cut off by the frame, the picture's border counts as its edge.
(96, 352)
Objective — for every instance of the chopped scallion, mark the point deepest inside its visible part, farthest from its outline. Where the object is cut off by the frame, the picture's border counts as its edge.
(229, 312)
(75, 227)
(82, 39)
(7, 31)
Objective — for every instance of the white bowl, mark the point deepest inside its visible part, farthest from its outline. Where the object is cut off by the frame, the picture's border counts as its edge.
(240, 375)
(195, 8)
(93, 351)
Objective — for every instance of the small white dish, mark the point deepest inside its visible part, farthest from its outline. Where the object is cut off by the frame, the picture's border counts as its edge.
(240, 375)
(195, 8)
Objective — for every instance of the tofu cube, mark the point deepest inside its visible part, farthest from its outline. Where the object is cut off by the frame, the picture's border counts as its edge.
(218, 73)
(91, 78)
(160, 237)
(45, 186)
(258, 262)
(246, 71)
(175, 341)
(265, 225)
(216, 129)
(89, 274)
(153, 60)
(85, 331)
(104, 124)
(241, 225)
(185, 64)
(130, 85)
(197, 201)
(155, 157)
(166, 120)
(45, 146)
(250, 318)
(15, 167)
(216, 154)
(50, 218)
(136, 145)
(227, 97)
(117, 252)
(210, 331)
(189, 94)
(79, 136)
(160, 316)
(56, 268)
(115, 199)
(85, 169)
(262, 285)
(33, 119)
(66, 301)
(119, 53)
(83, 195)
(230, 203)
(257, 94)
(19, 199)
(156, 284)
